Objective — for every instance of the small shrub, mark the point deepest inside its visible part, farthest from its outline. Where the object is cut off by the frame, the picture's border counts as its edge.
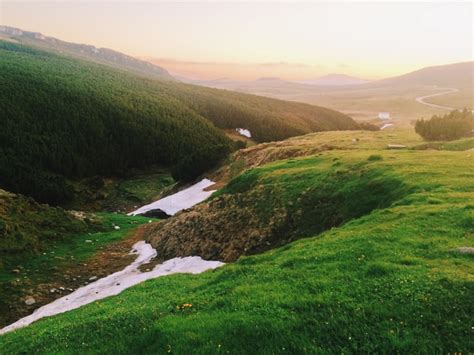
(375, 157)
(434, 201)
(239, 145)
(409, 261)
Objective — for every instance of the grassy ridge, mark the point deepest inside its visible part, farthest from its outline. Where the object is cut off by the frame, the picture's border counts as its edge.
(389, 281)
(272, 205)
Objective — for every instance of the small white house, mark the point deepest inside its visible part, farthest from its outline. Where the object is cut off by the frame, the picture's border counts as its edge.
(384, 115)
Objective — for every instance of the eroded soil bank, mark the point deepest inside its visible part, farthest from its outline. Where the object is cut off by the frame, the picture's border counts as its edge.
(271, 206)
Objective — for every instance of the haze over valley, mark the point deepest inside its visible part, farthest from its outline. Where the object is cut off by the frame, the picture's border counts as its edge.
(362, 99)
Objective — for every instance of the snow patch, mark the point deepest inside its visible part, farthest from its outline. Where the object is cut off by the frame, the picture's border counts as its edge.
(387, 125)
(179, 201)
(117, 282)
(244, 132)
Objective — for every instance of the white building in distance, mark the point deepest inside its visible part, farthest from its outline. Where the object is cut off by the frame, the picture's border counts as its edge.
(384, 115)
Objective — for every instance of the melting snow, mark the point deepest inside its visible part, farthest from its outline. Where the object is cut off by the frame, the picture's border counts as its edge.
(387, 125)
(244, 132)
(179, 201)
(117, 282)
(131, 275)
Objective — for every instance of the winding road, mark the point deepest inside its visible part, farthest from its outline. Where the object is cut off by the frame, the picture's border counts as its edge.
(421, 99)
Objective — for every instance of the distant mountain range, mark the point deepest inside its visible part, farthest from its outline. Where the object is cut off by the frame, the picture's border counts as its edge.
(334, 80)
(363, 100)
(457, 74)
(442, 75)
(326, 80)
(451, 74)
(85, 51)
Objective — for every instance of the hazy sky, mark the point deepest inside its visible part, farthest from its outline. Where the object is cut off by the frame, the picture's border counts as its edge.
(248, 40)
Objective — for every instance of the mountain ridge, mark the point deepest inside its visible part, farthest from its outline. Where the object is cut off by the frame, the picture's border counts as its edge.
(445, 74)
(86, 51)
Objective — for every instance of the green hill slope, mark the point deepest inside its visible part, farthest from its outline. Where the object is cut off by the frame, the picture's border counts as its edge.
(26, 226)
(392, 278)
(266, 118)
(65, 118)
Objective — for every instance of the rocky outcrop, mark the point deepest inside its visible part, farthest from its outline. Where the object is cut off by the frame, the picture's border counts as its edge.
(156, 213)
(465, 250)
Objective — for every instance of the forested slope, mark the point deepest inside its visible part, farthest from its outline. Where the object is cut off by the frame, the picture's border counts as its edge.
(65, 118)
(267, 119)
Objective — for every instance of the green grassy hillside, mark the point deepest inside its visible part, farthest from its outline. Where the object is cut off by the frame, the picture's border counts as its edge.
(64, 118)
(26, 226)
(393, 276)
(277, 203)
